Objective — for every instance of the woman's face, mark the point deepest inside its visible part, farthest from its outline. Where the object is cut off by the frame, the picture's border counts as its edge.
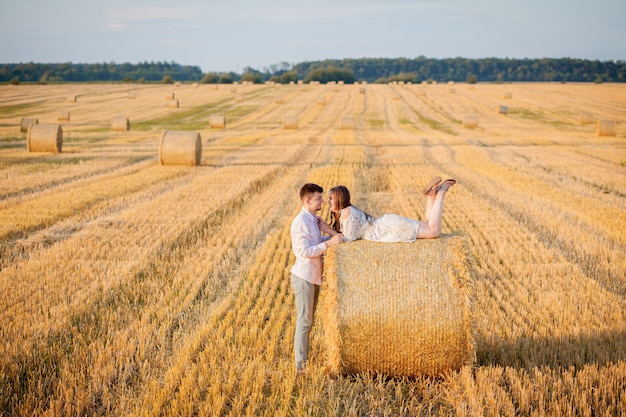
(331, 202)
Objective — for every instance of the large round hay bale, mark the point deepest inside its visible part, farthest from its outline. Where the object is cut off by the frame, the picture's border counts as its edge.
(279, 100)
(180, 147)
(71, 99)
(120, 124)
(321, 101)
(63, 116)
(132, 95)
(452, 90)
(217, 121)
(470, 120)
(290, 122)
(399, 309)
(500, 109)
(347, 123)
(586, 118)
(172, 104)
(508, 95)
(44, 138)
(26, 122)
(239, 98)
(606, 128)
(170, 96)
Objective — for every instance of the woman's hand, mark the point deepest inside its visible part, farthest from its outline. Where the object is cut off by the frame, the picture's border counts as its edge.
(324, 227)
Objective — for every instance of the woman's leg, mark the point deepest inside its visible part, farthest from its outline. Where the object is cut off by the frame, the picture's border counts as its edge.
(431, 228)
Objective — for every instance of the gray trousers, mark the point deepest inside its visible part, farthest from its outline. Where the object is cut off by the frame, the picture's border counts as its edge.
(306, 302)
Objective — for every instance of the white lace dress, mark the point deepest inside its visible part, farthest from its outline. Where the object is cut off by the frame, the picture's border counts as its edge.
(386, 228)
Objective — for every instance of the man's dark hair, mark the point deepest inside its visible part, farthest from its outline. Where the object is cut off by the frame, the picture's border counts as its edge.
(310, 188)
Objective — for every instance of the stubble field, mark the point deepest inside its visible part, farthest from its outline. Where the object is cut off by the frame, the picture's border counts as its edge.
(130, 288)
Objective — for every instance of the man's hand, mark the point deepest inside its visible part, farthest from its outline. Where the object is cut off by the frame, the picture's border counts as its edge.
(338, 238)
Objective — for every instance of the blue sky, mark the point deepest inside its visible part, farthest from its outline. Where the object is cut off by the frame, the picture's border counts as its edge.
(228, 35)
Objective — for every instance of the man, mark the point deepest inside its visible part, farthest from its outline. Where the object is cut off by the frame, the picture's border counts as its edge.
(306, 275)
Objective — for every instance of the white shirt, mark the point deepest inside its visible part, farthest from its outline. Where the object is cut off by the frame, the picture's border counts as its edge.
(308, 246)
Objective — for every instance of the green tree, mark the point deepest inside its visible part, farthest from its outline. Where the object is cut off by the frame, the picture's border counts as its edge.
(167, 79)
(210, 78)
(471, 79)
(226, 79)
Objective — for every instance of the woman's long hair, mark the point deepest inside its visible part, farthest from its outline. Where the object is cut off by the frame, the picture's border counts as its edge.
(341, 199)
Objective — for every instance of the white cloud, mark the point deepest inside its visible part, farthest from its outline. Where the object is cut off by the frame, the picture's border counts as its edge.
(121, 18)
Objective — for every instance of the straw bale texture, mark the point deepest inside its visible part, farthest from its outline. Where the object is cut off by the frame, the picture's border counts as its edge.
(26, 122)
(586, 118)
(63, 116)
(217, 121)
(347, 123)
(508, 95)
(450, 82)
(399, 309)
(606, 128)
(173, 104)
(502, 109)
(290, 122)
(180, 147)
(470, 120)
(44, 138)
(120, 124)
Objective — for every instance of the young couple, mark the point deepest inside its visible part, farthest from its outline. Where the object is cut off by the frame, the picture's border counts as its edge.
(348, 224)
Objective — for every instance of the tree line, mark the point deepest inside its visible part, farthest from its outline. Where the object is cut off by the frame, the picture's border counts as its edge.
(380, 70)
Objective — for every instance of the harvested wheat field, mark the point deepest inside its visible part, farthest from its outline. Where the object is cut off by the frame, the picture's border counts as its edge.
(133, 288)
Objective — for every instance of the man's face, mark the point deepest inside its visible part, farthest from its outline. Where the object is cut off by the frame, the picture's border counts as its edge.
(314, 202)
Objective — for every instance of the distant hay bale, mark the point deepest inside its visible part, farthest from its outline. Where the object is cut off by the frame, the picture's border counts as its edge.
(450, 82)
(340, 82)
(470, 120)
(321, 101)
(290, 122)
(400, 82)
(179, 147)
(586, 118)
(606, 128)
(452, 90)
(215, 87)
(173, 104)
(239, 98)
(300, 82)
(500, 109)
(63, 116)
(132, 95)
(421, 93)
(195, 85)
(279, 100)
(347, 123)
(233, 89)
(362, 90)
(44, 138)
(120, 124)
(399, 309)
(217, 121)
(396, 97)
(177, 84)
(508, 95)
(26, 122)
(170, 96)
(71, 99)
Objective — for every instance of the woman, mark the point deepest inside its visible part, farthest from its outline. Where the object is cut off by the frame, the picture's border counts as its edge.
(356, 224)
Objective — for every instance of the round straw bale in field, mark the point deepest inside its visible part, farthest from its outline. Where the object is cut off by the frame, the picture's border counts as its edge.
(470, 120)
(321, 101)
(279, 100)
(362, 90)
(502, 109)
(606, 128)
(63, 116)
(340, 82)
(217, 121)
(452, 90)
(120, 124)
(347, 123)
(450, 82)
(180, 147)
(177, 84)
(233, 89)
(508, 95)
(399, 309)
(26, 122)
(170, 96)
(586, 118)
(44, 138)
(173, 104)
(132, 95)
(239, 98)
(290, 122)
(71, 99)
(194, 85)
